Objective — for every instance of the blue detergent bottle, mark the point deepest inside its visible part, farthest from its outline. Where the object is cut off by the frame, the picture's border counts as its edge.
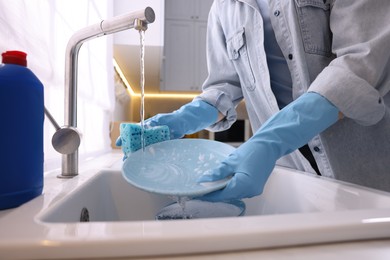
(21, 131)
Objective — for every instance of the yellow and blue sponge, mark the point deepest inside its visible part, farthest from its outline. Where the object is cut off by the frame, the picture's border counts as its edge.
(130, 135)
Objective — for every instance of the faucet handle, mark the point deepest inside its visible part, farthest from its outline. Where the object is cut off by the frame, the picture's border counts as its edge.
(66, 140)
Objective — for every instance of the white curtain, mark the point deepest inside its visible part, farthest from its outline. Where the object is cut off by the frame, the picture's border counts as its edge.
(42, 29)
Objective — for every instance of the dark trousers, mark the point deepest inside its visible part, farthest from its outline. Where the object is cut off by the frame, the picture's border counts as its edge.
(305, 151)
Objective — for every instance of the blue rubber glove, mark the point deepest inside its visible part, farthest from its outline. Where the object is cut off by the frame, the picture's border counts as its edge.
(189, 119)
(251, 164)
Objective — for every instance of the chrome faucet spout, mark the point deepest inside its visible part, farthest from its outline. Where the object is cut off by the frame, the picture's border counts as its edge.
(138, 20)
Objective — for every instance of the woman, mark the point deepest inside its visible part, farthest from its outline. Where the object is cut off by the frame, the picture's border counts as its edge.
(315, 79)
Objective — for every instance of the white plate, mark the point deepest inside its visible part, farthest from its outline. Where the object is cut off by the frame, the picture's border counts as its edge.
(172, 167)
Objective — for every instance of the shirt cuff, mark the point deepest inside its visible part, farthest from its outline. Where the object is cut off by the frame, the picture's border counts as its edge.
(224, 104)
(353, 96)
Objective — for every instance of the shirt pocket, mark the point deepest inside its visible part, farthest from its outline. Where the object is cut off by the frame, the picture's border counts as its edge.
(238, 54)
(313, 16)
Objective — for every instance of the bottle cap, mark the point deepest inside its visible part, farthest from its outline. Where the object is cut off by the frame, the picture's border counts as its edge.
(15, 57)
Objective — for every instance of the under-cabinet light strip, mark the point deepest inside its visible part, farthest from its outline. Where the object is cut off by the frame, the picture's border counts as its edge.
(149, 95)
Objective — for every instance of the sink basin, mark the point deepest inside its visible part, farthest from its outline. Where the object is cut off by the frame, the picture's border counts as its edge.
(108, 197)
(295, 209)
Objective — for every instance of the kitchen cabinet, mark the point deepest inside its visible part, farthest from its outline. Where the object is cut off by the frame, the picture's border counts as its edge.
(184, 66)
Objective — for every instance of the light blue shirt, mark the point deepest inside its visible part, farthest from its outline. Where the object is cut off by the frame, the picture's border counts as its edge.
(281, 83)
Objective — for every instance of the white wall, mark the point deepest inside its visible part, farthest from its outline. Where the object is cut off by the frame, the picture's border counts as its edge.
(155, 32)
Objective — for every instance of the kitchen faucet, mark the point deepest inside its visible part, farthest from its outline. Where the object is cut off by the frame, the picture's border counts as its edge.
(66, 139)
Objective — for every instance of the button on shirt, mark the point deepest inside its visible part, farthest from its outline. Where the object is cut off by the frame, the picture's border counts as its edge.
(280, 77)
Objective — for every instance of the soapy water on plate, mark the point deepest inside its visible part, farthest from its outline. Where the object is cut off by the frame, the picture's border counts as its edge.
(173, 167)
(163, 172)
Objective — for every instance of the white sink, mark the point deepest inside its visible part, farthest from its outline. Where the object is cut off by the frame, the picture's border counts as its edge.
(295, 209)
(108, 197)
